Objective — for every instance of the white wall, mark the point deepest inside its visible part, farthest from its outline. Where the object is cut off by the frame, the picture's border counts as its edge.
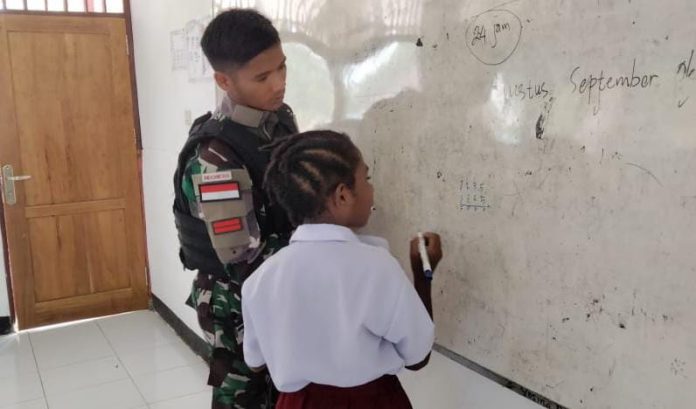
(164, 97)
(4, 299)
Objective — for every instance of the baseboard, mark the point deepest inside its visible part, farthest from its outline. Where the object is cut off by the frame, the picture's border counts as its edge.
(512, 385)
(201, 348)
(195, 342)
(5, 325)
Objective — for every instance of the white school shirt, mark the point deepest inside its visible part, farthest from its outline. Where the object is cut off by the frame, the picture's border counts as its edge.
(332, 308)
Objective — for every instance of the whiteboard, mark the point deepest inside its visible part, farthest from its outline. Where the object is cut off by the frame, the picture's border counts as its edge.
(552, 144)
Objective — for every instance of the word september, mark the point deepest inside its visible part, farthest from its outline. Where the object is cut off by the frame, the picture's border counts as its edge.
(592, 84)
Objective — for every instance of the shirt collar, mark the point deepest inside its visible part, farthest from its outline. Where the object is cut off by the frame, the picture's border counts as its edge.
(323, 232)
(335, 233)
(243, 115)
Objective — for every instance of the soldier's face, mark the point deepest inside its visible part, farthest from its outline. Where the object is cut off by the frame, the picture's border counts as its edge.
(260, 83)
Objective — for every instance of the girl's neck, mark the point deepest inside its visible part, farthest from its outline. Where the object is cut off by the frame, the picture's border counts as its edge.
(327, 218)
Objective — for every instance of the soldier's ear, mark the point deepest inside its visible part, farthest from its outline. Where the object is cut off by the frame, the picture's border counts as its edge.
(224, 81)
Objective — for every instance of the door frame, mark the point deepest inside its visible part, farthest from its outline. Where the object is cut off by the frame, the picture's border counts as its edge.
(137, 134)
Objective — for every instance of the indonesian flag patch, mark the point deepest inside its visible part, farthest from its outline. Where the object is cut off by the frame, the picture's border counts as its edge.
(212, 192)
(227, 226)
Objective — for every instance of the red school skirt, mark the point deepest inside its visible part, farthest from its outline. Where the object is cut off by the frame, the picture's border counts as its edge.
(383, 393)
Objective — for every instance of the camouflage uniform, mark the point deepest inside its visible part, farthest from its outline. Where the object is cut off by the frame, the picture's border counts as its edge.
(216, 298)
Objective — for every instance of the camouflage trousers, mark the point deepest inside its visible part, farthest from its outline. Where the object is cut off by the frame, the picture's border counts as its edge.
(217, 302)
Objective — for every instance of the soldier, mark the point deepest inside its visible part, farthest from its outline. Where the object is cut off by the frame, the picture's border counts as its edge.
(225, 223)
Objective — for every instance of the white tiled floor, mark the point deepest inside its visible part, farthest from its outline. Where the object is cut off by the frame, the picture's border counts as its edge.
(136, 361)
(130, 361)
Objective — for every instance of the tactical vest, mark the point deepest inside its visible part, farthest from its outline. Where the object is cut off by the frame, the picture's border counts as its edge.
(197, 252)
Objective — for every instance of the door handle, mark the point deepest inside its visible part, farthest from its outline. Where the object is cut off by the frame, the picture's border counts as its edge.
(8, 180)
(19, 178)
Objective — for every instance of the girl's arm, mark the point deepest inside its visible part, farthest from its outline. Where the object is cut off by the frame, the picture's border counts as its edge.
(420, 282)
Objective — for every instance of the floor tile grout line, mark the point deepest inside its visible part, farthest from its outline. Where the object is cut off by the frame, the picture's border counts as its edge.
(38, 371)
(161, 370)
(22, 403)
(118, 358)
(206, 389)
(62, 330)
(195, 361)
(148, 404)
(149, 373)
(19, 371)
(174, 340)
(80, 362)
(177, 398)
(115, 354)
(139, 349)
(95, 385)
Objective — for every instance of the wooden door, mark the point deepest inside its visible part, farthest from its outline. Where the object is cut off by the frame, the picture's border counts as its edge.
(76, 232)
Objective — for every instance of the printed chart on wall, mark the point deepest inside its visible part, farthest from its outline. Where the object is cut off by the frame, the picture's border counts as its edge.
(186, 53)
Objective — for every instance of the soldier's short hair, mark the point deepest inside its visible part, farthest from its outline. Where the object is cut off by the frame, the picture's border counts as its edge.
(235, 36)
(306, 168)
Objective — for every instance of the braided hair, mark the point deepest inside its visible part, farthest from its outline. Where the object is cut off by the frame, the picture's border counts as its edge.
(306, 168)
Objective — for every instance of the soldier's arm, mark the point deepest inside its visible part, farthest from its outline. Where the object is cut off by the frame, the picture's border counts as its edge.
(218, 190)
